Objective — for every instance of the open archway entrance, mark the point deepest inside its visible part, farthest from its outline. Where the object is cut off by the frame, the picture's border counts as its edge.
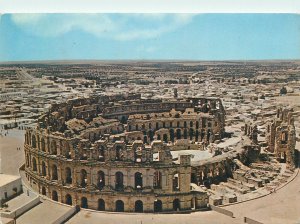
(119, 206)
(139, 206)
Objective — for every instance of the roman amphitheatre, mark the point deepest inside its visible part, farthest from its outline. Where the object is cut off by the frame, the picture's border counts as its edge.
(122, 153)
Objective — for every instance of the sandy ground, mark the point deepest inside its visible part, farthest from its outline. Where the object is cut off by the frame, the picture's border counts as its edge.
(46, 212)
(210, 217)
(11, 158)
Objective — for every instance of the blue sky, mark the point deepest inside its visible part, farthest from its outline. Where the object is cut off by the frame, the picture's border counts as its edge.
(26, 37)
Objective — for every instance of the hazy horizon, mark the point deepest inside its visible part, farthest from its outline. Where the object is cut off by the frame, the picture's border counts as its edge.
(155, 37)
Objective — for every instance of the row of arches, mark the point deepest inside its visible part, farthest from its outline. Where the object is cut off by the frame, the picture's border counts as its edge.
(50, 146)
(119, 204)
(175, 134)
(100, 182)
(172, 124)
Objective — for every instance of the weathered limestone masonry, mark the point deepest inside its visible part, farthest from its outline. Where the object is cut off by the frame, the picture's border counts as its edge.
(281, 136)
(113, 153)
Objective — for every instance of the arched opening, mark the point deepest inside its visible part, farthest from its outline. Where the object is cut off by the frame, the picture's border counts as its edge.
(138, 179)
(84, 202)
(176, 182)
(138, 206)
(178, 134)
(165, 138)
(44, 191)
(157, 179)
(44, 170)
(185, 135)
(191, 124)
(184, 124)
(101, 154)
(43, 145)
(202, 135)
(145, 139)
(83, 178)
(68, 175)
(156, 126)
(176, 205)
(157, 206)
(100, 180)
(53, 148)
(67, 151)
(119, 155)
(54, 196)
(68, 199)
(33, 141)
(101, 205)
(151, 134)
(54, 172)
(158, 136)
(191, 133)
(27, 161)
(197, 136)
(172, 136)
(34, 165)
(197, 124)
(119, 206)
(119, 181)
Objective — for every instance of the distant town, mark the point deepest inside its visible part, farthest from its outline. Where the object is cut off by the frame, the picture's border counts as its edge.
(203, 140)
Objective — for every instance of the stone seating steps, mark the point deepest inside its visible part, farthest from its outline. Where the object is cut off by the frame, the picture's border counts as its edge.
(235, 188)
(250, 187)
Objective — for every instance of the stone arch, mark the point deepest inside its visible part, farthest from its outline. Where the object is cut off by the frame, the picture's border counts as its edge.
(138, 180)
(157, 180)
(138, 206)
(151, 134)
(54, 196)
(158, 136)
(68, 172)
(53, 147)
(54, 172)
(43, 148)
(119, 185)
(44, 170)
(178, 133)
(101, 205)
(175, 181)
(176, 204)
(27, 161)
(119, 206)
(191, 133)
(158, 206)
(68, 199)
(100, 180)
(84, 202)
(33, 141)
(165, 137)
(172, 135)
(34, 164)
(83, 178)
(197, 136)
(44, 192)
(185, 134)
